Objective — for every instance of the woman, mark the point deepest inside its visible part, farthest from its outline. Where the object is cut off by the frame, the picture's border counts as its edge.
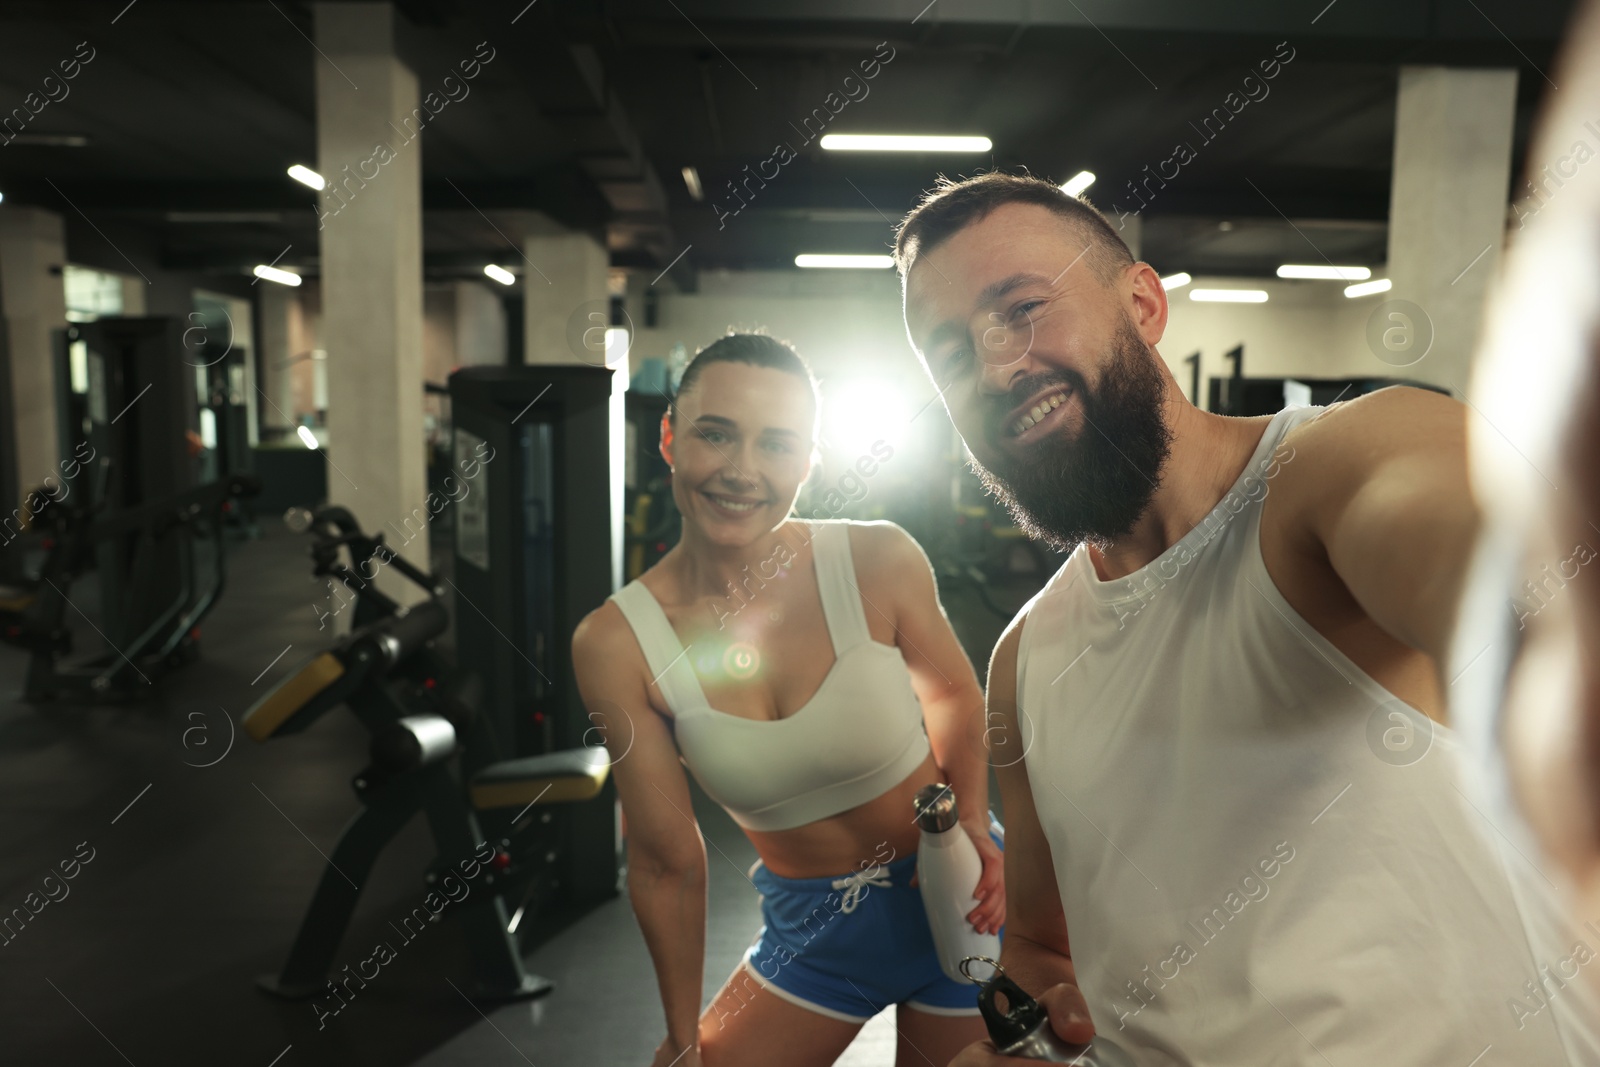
(796, 685)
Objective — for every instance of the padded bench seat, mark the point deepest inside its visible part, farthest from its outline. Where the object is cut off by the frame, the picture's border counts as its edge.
(16, 600)
(575, 774)
(276, 712)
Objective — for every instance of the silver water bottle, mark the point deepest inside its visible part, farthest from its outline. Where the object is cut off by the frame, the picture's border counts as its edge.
(1023, 1030)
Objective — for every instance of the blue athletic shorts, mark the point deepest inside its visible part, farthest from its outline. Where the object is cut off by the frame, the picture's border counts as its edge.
(849, 947)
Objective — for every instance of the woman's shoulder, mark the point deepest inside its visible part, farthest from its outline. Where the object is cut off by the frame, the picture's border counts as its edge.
(603, 632)
(877, 545)
(882, 533)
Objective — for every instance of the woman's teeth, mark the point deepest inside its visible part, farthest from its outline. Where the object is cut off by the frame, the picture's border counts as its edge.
(733, 505)
(1040, 410)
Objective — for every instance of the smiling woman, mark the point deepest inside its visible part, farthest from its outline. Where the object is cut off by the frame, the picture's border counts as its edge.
(814, 719)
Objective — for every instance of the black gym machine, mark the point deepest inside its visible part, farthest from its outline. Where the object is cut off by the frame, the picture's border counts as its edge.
(409, 696)
(165, 634)
(127, 504)
(483, 745)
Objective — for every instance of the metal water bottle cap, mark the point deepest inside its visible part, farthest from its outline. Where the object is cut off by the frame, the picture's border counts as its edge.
(935, 804)
(1023, 1030)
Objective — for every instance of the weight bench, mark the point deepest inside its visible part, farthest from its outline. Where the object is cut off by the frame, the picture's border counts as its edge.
(387, 673)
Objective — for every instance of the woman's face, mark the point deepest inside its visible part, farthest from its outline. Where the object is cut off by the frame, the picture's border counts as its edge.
(740, 449)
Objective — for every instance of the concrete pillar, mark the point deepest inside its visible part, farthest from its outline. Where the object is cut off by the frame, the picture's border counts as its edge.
(134, 290)
(1447, 220)
(279, 308)
(480, 325)
(567, 303)
(369, 149)
(33, 303)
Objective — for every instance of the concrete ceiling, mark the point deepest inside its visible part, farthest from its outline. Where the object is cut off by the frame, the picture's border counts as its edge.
(191, 112)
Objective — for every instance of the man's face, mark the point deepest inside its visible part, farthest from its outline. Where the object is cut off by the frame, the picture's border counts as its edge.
(1055, 390)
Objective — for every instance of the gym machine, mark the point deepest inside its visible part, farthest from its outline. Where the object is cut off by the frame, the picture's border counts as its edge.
(129, 506)
(165, 633)
(1240, 396)
(410, 698)
(538, 538)
(652, 516)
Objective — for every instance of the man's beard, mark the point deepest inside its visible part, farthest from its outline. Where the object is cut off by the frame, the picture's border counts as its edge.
(1064, 491)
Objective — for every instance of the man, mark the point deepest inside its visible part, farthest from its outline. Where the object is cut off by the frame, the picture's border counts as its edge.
(1220, 731)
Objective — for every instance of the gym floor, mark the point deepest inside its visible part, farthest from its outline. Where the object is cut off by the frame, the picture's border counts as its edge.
(205, 851)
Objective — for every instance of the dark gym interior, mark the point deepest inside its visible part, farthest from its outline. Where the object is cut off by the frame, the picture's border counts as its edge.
(306, 431)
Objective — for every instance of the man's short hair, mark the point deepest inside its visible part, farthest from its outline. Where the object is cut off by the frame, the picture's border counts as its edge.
(951, 206)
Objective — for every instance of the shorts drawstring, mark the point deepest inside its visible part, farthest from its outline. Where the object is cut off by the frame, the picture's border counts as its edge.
(855, 885)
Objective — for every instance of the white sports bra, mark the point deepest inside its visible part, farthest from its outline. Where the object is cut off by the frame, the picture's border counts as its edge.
(859, 736)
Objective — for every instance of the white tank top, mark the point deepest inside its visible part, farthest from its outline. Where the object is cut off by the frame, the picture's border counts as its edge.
(1262, 853)
(859, 736)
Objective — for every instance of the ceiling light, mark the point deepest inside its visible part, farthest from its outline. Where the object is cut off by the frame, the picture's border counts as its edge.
(899, 142)
(307, 176)
(49, 140)
(1379, 285)
(1338, 274)
(691, 179)
(1229, 296)
(1176, 281)
(2, 198)
(1078, 183)
(847, 262)
(307, 438)
(273, 274)
(500, 274)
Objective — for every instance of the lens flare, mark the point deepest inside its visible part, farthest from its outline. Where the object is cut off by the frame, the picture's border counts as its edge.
(741, 661)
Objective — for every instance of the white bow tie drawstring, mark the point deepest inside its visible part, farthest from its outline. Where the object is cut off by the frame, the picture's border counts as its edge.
(854, 885)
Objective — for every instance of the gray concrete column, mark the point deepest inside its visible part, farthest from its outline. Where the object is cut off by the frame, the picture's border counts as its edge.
(564, 289)
(371, 232)
(1447, 218)
(33, 302)
(480, 326)
(134, 291)
(279, 308)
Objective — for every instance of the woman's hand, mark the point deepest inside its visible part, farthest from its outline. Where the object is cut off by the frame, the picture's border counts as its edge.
(668, 1054)
(990, 914)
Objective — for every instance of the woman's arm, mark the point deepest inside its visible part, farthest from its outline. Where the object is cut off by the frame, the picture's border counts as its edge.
(666, 854)
(947, 687)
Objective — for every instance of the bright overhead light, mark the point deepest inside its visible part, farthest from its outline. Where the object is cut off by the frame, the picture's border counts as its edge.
(691, 180)
(307, 438)
(307, 176)
(1337, 274)
(808, 259)
(1078, 183)
(1176, 281)
(1379, 285)
(903, 142)
(2, 198)
(273, 274)
(500, 274)
(1229, 296)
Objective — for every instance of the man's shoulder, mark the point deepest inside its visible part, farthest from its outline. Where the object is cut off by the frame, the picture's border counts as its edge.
(1391, 416)
(1331, 453)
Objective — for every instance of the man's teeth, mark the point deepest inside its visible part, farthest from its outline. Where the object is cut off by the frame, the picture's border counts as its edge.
(734, 505)
(1040, 410)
